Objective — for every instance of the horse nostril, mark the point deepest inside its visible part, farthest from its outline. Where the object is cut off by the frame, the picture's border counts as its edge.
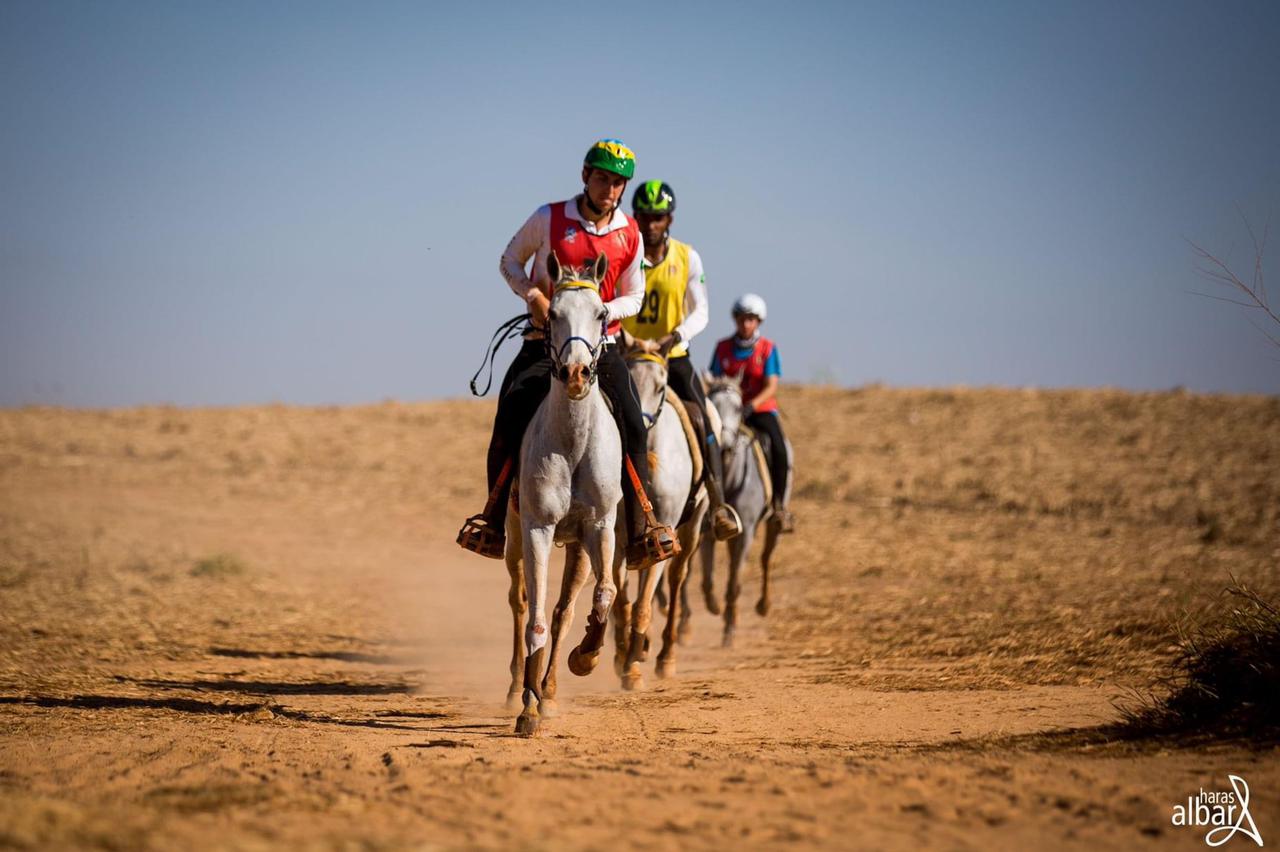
(586, 374)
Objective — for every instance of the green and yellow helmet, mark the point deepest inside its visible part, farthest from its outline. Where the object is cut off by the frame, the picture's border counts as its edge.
(654, 196)
(612, 156)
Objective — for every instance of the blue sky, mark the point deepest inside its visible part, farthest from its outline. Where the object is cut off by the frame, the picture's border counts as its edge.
(229, 203)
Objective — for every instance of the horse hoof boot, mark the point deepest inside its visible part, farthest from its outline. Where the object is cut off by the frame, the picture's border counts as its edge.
(526, 725)
(726, 524)
(583, 664)
(633, 682)
(548, 708)
(762, 607)
(515, 700)
(666, 668)
(480, 536)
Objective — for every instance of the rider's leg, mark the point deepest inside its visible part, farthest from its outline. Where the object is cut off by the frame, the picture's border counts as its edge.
(525, 386)
(650, 542)
(779, 465)
(682, 379)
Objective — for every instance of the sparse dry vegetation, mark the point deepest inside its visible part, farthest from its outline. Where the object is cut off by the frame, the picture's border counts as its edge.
(214, 622)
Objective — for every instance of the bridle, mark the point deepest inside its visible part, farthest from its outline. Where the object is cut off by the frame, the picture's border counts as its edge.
(640, 355)
(728, 448)
(558, 368)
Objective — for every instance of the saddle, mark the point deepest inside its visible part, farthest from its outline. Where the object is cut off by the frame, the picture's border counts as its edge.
(760, 446)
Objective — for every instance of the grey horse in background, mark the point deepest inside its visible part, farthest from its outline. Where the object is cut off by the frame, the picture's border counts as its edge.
(673, 491)
(744, 489)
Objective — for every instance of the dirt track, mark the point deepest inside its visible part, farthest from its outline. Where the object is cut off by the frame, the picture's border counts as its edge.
(250, 628)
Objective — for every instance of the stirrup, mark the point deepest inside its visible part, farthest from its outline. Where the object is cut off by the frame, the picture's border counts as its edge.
(479, 535)
(725, 523)
(657, 544)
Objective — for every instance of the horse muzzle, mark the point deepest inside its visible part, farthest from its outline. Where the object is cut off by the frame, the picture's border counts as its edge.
(577, 380)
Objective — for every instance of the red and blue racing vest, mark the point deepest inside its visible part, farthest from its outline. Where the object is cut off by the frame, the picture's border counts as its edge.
(750, 368)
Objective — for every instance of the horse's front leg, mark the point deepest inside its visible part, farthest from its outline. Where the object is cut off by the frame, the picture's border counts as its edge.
(518, 601)
(641, 616)
(708, 553)
(621, 615)
(677, 626)
(537, 552)
(576, 568)
(771, 532)
(738, 547)
(599, 546)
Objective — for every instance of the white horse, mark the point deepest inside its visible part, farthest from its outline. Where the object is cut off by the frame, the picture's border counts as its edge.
(569, 491)
(672, 466)
(746, 490)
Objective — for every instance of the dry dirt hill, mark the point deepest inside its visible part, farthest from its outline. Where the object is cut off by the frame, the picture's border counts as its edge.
(250, 628)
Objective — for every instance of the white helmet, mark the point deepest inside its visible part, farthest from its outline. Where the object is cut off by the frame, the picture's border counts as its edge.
(750, 303)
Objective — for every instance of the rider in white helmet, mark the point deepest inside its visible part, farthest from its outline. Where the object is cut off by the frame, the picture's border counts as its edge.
(755, 359)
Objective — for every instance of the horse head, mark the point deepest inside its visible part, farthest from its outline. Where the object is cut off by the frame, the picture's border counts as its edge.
(726, 395)
(576, 316)
(647, 363)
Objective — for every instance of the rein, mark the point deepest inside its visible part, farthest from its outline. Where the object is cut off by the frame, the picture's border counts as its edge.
(509, 330)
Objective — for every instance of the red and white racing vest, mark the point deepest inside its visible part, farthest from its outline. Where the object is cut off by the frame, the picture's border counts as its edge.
(576, 248)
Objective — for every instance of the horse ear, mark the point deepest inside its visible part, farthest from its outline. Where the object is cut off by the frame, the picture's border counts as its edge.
(602, 266)
(553, 266)
(628, 342)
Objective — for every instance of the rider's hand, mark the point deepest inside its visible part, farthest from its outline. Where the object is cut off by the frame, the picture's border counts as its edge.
(666, 344)
(539, 305)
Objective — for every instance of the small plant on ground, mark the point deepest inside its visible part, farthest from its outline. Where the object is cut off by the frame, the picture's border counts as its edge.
(219, 565)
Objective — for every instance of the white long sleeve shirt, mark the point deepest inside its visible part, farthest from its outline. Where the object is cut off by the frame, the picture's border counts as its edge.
(533, 240)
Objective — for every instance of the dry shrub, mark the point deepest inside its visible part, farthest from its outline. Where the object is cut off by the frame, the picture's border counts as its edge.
(219, 565)
(1227, 678)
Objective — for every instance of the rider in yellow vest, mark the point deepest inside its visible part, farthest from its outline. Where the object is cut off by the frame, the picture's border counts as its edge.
(673, 311)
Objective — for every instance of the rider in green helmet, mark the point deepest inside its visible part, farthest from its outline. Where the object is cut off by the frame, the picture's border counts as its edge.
(576, 230)
(673, 311)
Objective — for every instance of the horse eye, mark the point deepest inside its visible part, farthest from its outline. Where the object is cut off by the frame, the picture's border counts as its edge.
(602, 315)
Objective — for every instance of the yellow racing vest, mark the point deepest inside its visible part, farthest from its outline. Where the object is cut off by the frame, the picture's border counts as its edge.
(664, 292)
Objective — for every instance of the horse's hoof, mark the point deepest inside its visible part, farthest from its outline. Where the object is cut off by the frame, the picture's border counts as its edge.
(632, 682)
(713, 605)
(583, 664)
(515, 700)
(762, 607)
(666, 668)
(727, 640)
(548, 708)
(684, 633)
(619, 663)
(526, 725)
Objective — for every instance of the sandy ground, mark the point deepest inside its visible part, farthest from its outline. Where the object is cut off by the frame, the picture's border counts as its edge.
(250, 628)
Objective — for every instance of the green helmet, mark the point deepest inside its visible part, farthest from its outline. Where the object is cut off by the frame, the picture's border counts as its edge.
(612, 156)
(654, 196)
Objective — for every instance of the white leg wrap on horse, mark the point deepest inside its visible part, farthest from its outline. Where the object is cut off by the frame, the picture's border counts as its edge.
(536, 636)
